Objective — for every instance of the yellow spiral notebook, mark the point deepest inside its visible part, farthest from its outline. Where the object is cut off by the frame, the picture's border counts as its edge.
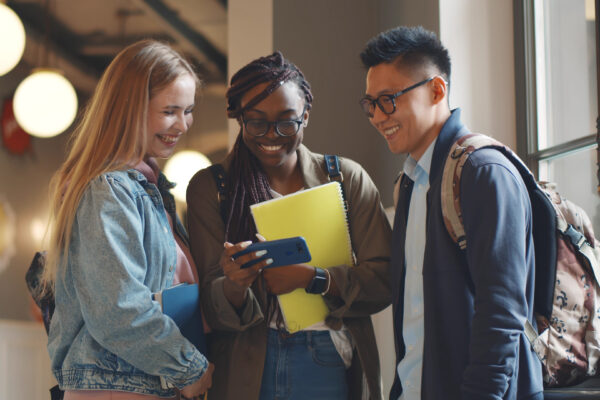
(318, 214)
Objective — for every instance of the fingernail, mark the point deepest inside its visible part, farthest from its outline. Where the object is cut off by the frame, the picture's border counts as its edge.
(260, 253)
(269, 261)
(246, 243)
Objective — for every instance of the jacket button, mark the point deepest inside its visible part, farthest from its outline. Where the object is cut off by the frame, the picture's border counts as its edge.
(170, 268)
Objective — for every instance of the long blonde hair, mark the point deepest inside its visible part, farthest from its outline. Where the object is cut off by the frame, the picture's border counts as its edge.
(111, 134)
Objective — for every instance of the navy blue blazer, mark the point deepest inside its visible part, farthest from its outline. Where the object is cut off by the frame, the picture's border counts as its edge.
(477, 300)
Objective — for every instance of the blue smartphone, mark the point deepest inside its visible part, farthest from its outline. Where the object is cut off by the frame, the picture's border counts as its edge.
(283, 252)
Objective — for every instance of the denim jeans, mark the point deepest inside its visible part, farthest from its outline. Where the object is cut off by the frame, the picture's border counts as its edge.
(305, 365)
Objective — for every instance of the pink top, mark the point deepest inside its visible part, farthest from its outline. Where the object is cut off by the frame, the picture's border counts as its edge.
(185, 272)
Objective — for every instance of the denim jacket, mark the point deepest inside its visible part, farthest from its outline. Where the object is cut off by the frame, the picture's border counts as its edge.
(107, 332)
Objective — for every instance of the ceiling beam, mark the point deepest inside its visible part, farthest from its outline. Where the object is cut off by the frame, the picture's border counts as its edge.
(88, 53)
(196, 38)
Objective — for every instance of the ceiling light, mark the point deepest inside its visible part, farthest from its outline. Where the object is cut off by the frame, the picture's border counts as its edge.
(45, 103)
(181, 168)
(12, 44)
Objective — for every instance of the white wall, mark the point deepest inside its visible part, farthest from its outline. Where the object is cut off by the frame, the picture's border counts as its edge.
(479, 36)
(24, 362)
(249, 36)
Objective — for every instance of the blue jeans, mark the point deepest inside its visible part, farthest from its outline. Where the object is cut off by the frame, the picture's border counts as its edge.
(305, 365)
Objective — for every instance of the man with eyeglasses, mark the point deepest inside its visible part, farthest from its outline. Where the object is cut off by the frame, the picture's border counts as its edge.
(458, 314)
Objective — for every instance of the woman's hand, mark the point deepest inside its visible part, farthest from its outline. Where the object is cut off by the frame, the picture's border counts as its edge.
(201, 385)
(281, 280)
(238, 279)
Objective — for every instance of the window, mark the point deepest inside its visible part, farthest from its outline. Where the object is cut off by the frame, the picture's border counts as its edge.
(556, 72)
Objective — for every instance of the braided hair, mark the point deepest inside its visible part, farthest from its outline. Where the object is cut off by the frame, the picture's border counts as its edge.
(247, 181)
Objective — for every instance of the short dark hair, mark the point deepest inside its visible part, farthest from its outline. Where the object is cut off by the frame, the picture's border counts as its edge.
(407, 46)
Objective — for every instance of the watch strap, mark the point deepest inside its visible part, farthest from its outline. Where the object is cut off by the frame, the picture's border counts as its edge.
(318, 284)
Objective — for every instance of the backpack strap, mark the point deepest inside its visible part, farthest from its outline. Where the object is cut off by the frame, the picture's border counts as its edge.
(218, 173)
(450, 191)
(333, 168)
(581, 244)
(570, 223)
(332, 164)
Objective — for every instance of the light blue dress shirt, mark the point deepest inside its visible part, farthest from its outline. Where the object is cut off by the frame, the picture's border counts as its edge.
(410, 368)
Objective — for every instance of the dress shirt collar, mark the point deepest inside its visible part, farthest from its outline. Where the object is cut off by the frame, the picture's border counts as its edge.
(414, 169)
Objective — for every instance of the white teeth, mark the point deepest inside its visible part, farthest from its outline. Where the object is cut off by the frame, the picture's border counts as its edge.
(390, 131)
(271, 148)
(168, 139)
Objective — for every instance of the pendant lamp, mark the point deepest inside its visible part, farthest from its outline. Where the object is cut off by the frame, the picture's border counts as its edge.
(12, 44)
(181, 168)
(45, 103)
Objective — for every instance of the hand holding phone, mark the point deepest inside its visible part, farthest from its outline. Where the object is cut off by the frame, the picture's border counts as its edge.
(286, 251)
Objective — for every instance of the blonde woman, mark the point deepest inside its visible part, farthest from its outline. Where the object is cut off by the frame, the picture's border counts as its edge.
(116, 238)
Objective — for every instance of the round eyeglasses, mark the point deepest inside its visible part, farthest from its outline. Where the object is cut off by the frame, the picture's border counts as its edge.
(387, 102)
(285, 127)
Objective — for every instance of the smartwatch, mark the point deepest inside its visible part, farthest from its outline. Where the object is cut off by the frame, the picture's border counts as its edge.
(318, 283)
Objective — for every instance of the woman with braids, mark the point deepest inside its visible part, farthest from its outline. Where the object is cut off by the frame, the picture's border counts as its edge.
(116, 239)
(255, 357)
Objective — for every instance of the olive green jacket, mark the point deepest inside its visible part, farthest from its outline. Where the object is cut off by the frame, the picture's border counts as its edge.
(237, 344)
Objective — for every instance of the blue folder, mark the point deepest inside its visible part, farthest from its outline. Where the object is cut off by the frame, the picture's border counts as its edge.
(182, 304)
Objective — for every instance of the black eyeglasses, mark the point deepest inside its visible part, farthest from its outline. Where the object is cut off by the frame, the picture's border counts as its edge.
(260, 127)
(386, 102)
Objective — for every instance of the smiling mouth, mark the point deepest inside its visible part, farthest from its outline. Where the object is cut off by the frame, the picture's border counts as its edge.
(389, 132)
(270, 148)
(167, 139)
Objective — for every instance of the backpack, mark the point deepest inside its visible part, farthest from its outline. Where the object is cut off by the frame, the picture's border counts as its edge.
(43, 299)
(567, 294)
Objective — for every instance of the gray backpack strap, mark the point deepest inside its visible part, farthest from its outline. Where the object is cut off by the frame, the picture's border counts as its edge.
(573, 223)
(450, 191)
